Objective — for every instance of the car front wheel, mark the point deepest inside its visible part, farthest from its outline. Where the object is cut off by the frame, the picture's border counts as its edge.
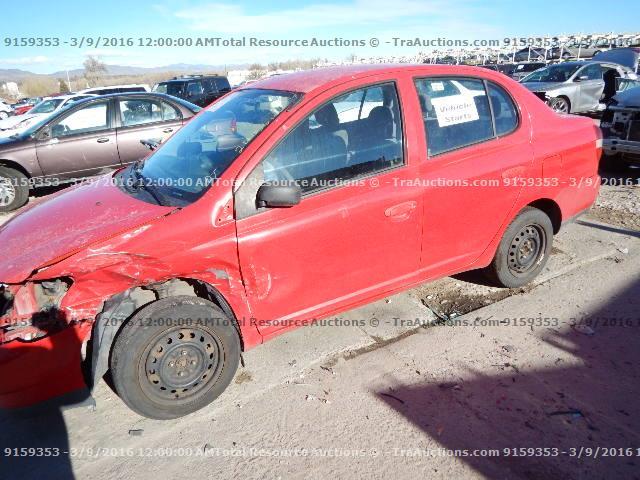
(560, 105)
(14, 189)
(174, 356)
(523, 251)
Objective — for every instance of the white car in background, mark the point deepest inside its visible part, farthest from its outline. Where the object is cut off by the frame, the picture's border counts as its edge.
(12, 125)
(5, 110)
(131, 88)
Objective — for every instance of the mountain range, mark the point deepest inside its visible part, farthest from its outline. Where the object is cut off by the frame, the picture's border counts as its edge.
(16, 75)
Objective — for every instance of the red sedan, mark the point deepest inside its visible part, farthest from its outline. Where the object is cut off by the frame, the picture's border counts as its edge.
(294, 198)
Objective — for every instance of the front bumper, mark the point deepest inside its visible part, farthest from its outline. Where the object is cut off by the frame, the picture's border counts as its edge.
(32, 372)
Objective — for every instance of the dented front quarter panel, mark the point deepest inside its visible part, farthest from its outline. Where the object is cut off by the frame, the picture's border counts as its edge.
(197, 242)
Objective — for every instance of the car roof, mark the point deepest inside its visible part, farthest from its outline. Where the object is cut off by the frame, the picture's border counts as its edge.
(306, 81)
(189, 79)
(132, 95)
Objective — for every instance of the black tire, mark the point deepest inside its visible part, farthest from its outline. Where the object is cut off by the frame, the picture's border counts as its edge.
(523, 250)
(165, 366)
(14, 189)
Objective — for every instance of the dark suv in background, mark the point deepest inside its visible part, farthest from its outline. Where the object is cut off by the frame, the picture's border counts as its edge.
(199, 89)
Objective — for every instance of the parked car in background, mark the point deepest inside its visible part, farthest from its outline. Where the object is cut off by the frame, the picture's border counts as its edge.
(116, 89)
(5, 110)
(506, 68)
(24, 105)
(43, 109)
(199, 89)
(247, 242)
(577, 87)
(621, 129)
(530, 54)
(523, 69)
(580, 50)
(86, 138)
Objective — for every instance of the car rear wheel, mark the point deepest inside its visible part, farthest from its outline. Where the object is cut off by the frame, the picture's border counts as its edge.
(4, 115)
(523, 250)
(174, 356)
(560, 105)
(14, 189)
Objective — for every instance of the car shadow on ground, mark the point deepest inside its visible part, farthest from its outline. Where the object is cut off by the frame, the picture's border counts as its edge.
(34, 441)
(591, 402)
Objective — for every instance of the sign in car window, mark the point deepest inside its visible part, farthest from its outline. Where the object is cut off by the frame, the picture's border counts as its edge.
(455, 109)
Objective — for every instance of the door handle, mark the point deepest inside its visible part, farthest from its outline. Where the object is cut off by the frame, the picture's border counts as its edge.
(102, 140)
(168, 130)
(401, 211)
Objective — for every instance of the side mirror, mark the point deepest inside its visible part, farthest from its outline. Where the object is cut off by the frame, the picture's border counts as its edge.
(57, 131)
(278, 195)
(151, 143)
(581, 78)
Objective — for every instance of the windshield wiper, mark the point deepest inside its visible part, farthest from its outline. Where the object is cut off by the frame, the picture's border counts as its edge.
(141, 182)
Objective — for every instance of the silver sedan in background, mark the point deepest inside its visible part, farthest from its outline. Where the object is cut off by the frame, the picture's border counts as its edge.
(577, 87)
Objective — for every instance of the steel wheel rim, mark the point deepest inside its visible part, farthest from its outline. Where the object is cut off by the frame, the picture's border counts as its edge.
(7, 192)
(180, 363)
(527, 250)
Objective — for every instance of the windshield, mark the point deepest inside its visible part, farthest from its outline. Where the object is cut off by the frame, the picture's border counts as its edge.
(185, 167)
(552, 73)
(46, 106)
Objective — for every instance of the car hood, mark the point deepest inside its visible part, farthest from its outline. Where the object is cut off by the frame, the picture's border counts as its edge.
(628, 98)
(10, 126)
(65, 223)
(543, 86)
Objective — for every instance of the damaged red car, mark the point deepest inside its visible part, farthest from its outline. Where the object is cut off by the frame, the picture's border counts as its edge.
(294, 198)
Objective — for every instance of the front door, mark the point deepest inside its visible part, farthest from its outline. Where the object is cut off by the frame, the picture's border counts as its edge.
(355, 231)
(591, 85)
(79, 143)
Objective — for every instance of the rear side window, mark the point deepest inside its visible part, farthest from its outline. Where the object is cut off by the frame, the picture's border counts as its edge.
(504, 110)
(222, 84)
(455, 112)
(194, 88)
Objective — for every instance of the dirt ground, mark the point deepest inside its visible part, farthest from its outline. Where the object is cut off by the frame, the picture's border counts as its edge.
(427, 398)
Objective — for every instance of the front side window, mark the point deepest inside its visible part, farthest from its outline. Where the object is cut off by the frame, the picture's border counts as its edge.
(355, 134)
(591, 72)
(554, 73)
(461, 117)
(92, 118)
(188, 163)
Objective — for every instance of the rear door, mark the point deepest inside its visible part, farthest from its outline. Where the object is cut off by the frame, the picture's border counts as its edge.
(143, 118)
(478, 156)
(80, 142)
